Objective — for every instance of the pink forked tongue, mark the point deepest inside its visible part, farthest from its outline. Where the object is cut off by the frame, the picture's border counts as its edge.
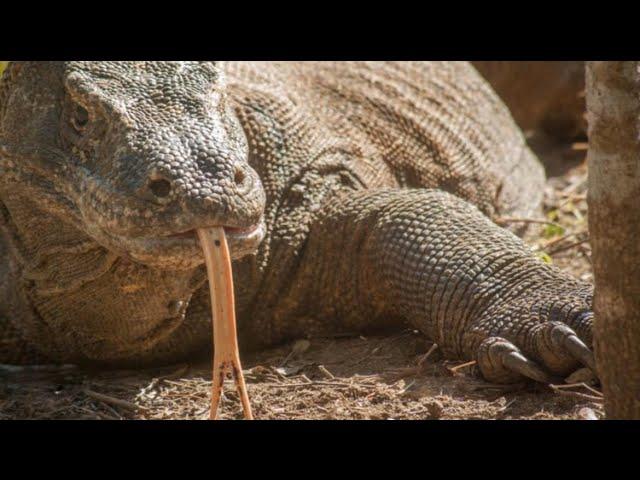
(226, 357)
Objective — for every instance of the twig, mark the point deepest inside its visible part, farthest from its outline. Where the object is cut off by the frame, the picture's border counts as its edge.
(90, 412)
(503, 388)
(504, 220)
(116, 415)
(458, 367)
(305, 378)
(572, 196)
(424, 357)
(592, 389)
(579, 384)
(503, 409)
(326, 372)
(555, 241)
(298, 348)
(406, 389)
(582, 396)
(105, 416)
(112, 400)
(165, 378)
(396, 374)
(567, 247)
(312, 384)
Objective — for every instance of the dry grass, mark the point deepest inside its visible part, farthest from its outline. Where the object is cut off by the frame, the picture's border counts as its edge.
(386, 377)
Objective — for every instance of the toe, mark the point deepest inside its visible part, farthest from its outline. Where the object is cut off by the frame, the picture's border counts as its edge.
(501, 361)
(561, 350)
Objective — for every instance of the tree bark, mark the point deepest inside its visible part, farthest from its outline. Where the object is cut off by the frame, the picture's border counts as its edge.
(613, 103)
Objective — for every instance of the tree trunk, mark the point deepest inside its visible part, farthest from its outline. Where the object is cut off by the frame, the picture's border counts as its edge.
(613, 102)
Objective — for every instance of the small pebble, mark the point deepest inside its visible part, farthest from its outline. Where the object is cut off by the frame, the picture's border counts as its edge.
(435, 410)
(587, 414)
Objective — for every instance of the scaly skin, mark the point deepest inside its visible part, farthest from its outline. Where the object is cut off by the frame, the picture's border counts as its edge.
(355, 195)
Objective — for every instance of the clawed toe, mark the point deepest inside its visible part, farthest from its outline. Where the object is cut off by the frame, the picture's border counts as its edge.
(518, 363)
(501, 361)
(561, 349)
(556, 351)
(580, 352)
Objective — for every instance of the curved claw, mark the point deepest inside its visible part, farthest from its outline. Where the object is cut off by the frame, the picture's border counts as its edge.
(580, 351)
(501, 361)
(563, 340)
(518, 363)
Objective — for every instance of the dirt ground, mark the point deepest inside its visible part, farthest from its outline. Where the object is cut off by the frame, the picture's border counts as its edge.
(399, 376)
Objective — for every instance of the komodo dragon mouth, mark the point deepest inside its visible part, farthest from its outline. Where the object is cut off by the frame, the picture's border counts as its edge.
(185, 247)
(242, 240)
(182, 249)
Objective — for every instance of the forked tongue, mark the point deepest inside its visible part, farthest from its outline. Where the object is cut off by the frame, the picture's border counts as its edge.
(226, 357)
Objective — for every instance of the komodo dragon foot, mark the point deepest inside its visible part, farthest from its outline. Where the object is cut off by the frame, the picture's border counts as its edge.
(474, 288)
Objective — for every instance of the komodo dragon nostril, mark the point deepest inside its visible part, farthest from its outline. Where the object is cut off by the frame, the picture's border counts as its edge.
(161, 188)
(239, 176)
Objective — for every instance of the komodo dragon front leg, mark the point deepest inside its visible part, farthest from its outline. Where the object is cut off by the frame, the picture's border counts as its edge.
(436, 262)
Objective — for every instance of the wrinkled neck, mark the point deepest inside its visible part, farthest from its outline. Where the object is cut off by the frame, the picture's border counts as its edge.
(89, 303)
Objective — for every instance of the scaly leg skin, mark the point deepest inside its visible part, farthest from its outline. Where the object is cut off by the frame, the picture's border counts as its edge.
(434, 260)
(226, 357)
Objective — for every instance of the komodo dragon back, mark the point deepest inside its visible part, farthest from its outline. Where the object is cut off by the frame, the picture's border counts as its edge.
(408, 124)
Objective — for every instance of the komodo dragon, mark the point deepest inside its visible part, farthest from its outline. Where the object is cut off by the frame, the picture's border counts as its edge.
(355, 196)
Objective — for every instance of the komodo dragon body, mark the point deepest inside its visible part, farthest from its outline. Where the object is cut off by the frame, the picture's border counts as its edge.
(355, 196)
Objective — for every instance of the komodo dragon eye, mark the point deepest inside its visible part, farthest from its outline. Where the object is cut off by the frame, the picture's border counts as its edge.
(79, 118)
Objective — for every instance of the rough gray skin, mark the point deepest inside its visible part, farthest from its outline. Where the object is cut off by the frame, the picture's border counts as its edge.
(371, 186)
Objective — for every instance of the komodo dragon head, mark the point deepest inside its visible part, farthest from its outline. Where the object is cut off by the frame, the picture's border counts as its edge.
(136, 154)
